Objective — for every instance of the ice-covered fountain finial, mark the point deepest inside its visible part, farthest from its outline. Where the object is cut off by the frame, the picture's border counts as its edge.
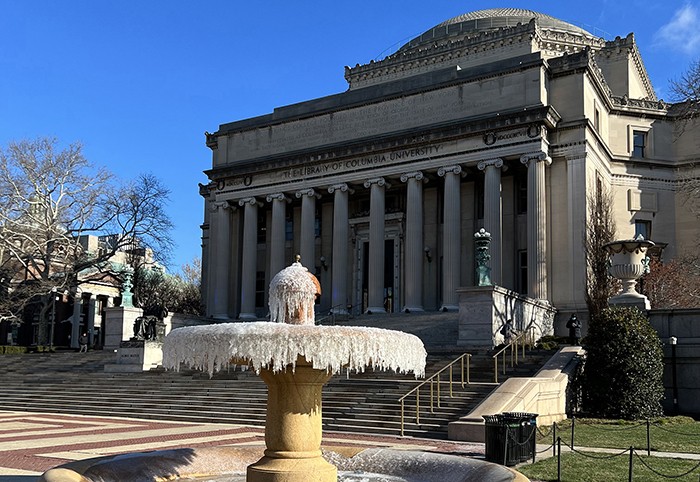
(293, 294)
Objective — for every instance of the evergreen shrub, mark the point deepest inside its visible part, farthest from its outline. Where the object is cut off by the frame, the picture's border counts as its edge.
(622, 377)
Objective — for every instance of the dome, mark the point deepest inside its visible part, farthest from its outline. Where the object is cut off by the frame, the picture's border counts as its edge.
(488, 20)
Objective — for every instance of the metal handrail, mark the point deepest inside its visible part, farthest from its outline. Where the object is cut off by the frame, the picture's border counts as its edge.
(332, 315)
(435, 379)
(521, 340)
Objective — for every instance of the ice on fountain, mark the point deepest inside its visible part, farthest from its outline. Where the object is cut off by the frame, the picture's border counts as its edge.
(293, 295)
(276, 345)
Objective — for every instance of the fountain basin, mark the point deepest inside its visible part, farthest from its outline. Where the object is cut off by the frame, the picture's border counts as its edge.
(228, 464)
(276, 346)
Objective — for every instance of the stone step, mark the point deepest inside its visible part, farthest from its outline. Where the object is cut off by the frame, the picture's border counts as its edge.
(365, 402)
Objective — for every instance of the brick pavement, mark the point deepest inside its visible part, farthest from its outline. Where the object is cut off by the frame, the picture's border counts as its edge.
(31, 443)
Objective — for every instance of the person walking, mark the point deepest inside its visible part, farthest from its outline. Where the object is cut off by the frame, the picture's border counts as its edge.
(83, 341)
(574, 326)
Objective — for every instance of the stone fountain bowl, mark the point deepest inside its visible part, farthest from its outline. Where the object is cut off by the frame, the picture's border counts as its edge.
(228, 464)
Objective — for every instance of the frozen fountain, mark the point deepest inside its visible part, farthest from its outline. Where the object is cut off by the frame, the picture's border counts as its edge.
(295, 358)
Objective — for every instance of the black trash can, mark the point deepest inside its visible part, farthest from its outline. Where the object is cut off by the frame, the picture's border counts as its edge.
(501, 437)
(526, 433)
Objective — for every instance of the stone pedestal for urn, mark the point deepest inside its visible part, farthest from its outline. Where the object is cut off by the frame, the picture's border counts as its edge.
(628, 263)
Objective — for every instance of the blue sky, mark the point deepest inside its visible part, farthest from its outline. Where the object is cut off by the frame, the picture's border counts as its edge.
(138, 83)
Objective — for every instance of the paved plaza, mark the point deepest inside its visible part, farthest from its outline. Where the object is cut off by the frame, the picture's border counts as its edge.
(31, 443)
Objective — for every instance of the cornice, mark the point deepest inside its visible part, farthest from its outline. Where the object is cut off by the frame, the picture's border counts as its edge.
(628, 46)
(442, 53)
(540, 115)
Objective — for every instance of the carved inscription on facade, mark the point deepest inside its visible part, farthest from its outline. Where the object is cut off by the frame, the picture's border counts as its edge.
(360, 162)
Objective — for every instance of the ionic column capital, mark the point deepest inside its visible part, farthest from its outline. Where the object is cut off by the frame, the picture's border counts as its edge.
(280, 196)
(307, 192)
(215, 206)
(342, 187)
(497, 163)
(443, 171)
(417, 175)
(379, 181)
(526, 159)
(248, 200)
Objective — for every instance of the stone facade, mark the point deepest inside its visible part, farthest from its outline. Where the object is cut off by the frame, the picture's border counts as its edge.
(504, 119)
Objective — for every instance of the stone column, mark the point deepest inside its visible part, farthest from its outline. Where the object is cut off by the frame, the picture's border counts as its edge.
(221, 262)
(77, 309)
(250, 255)
(536, 224)
(91, 319)
(307, 239)
(576, 218)
(109, 302)
(339, 262)
(277, 234)
(375, 295)
(414, 241)
(451, 238)
(493, 215)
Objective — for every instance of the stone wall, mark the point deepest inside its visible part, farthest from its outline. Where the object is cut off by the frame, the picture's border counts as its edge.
(545, 394)
(483, 310)
(685, 326)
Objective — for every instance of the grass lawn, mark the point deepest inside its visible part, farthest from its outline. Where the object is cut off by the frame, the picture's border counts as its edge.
(580, 468)
(670, 434)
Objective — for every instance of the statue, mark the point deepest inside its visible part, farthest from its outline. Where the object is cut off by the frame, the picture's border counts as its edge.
(482, 241)
(151, 326)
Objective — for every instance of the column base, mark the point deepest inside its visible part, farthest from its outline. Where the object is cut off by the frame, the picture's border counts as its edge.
(220, 317)
(273, 469)
(375, 310)
(449, 308)
(247, 316)
(412, 309)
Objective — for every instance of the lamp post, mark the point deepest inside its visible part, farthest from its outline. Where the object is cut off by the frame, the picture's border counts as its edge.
(53, 317)
(673, 341)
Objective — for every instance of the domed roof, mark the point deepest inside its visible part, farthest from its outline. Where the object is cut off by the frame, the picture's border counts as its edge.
(487, 20)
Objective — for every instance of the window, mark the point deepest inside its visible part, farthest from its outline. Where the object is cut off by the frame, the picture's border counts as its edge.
(262, 226)
(643, 228)
(522, 271)
(479, 195)
(520, 195)
(288, 226)
(639, 144)
(259, 289)
(596, 120)
(317, 221)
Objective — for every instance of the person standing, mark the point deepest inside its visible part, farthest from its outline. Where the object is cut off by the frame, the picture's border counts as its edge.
(83, 341)
(574, 326)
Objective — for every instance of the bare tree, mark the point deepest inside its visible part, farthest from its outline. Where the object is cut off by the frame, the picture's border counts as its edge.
(600, 229)
(50, 199)
(180, 293)
(686, 89)
(675, 284)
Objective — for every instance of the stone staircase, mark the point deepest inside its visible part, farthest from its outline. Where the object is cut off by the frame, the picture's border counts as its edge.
(367, 402)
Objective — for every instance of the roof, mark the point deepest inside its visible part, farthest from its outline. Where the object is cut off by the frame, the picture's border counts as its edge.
(489, 20)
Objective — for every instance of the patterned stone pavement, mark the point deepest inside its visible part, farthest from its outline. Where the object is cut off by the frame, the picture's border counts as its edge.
(31, 443)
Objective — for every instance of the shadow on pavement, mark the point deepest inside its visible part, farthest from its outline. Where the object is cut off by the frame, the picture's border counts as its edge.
(18, 478)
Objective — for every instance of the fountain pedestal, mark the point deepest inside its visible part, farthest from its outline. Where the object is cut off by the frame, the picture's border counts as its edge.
(293, 427)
